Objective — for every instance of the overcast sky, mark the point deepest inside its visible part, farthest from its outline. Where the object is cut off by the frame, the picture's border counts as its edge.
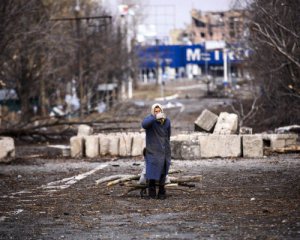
(169, 14)
(180, 9)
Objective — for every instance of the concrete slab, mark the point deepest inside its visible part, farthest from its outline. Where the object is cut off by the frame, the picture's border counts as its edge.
(92, 146)
(252, 146)
(220, 146)
(77, 146)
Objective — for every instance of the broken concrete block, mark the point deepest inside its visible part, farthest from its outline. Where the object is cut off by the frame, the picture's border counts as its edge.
(279, 140)
(138, 144)
(7, 149)
(77, 146)
(252, 145)
(206, 121)
(84, 130)
(220, 146)
(92, 146)
(227, 124)
(125, 145)
(103, 144)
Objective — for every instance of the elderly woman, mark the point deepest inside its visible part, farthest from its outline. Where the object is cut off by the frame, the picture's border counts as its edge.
(158, 151)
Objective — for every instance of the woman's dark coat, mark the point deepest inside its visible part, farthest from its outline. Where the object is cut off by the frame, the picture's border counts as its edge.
(158, 150)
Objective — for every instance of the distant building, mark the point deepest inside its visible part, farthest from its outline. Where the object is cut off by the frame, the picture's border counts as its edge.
(211, 46)
(228, 26)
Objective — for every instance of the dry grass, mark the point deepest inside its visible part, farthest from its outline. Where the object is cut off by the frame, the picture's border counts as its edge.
(150, 92)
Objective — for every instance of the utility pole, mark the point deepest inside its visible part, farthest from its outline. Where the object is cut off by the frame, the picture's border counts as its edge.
(78, 56)
(206, 57)
(225, 74)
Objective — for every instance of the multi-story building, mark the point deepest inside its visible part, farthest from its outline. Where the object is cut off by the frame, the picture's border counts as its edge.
(228, 26)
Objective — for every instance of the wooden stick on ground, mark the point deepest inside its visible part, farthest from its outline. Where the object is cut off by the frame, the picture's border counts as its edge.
(129, 182)
(121, 180)
(111, 178)
(116, 179)
(171, 186)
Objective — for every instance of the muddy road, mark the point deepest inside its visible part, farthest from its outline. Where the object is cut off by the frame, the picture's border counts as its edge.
(53, 197)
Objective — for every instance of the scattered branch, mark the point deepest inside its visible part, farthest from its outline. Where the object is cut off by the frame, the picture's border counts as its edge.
(130, 182)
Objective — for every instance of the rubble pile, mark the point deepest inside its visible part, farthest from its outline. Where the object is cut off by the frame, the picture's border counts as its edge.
(222, 139)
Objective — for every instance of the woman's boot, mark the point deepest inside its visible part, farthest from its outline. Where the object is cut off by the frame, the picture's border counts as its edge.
(162, 191)
(152, 189)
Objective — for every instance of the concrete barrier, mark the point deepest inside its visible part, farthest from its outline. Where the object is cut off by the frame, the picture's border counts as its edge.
(77, 146)
(103, 144)
(138, 144)
(125, 145)
(92, 146)
(183, 146)
(84, 130)
(114, 143)
(7, 149)
(252, 146)
(176, 145)
(186, 146)
(220, 146)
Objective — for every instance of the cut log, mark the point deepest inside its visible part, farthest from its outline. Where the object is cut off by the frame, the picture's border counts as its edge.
(122, 180)
(111, 178)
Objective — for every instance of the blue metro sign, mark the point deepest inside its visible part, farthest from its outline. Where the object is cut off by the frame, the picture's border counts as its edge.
(181, 55)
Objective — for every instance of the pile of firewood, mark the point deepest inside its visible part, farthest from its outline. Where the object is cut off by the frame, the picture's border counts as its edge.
(130, 182)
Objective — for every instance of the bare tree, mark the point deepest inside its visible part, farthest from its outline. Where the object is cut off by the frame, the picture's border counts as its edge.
(38, 55)
(22, 53)
(274, 64)
(275, 41)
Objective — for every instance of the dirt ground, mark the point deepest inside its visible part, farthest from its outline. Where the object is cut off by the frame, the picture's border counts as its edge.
(46, 196)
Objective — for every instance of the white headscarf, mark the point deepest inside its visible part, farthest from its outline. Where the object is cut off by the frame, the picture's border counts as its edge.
(154, 106)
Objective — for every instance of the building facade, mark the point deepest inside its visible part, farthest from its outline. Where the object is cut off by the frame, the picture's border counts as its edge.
(228, 26)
